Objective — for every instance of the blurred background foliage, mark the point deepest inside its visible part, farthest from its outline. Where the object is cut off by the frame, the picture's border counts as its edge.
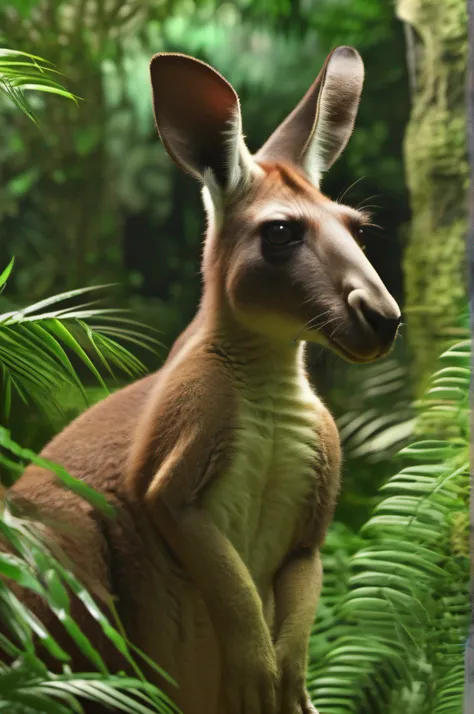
(88, 196)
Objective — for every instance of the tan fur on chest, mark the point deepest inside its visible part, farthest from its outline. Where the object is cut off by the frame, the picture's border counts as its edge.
(259, 502)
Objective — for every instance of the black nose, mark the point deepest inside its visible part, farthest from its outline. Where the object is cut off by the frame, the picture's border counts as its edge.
(384, 327)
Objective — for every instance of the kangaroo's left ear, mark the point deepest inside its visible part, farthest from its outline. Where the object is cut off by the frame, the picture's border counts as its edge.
(316, 132)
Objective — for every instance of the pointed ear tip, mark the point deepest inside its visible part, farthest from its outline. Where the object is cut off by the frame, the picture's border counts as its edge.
(156, 61)
(165, 60)
(346, 52)
(161, 57)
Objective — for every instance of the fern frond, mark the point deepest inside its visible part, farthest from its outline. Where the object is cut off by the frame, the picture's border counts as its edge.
(398, 633)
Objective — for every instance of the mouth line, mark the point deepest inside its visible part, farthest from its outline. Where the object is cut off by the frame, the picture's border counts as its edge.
(344, 352)
(351, 355)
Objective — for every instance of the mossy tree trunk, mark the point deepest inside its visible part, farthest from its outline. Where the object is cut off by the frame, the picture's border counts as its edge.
(469, 652)
(437, 175)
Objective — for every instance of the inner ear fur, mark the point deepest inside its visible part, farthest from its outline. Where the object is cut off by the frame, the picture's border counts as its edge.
(316, 132)
(197, 114)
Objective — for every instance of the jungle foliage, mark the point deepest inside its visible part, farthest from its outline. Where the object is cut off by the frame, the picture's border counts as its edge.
(395, 609)
(88, 197)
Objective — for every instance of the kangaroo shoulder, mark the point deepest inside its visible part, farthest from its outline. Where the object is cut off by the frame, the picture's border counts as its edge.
(194, 404)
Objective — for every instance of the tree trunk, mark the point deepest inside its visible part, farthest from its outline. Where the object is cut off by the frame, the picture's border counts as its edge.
(469, 652)
(437, 176)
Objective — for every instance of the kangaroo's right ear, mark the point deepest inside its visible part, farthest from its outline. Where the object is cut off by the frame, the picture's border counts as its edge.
(197, 114)
(316, 132)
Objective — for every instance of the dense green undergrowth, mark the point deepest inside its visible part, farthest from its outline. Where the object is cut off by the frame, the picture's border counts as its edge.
(36, 346)
(395, 609)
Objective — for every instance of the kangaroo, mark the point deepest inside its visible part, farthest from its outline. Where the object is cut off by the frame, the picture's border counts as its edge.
(224, 466)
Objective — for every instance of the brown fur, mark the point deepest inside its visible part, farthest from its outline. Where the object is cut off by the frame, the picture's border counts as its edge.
(206, 583)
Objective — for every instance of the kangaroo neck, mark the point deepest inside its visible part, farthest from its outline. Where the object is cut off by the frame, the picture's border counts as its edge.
(246, 352)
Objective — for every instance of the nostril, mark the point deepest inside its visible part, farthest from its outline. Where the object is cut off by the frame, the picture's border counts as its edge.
(384, 327)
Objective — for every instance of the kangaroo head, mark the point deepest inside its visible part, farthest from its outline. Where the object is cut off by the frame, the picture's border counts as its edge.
(280, 257)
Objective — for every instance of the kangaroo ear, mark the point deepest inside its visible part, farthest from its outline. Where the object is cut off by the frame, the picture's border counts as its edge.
(318, 129)
(197, 114)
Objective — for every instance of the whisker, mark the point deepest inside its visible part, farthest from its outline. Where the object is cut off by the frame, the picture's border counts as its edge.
(365, 206)
(317, 356)
(369, 198)
(328, 339)
(346, 191)
(309, 299)
(309, 323)
(335, 330)
(324, 345)
(373, 225)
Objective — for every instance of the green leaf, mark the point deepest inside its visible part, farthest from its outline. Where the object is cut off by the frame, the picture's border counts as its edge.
(21, 71)
(27, 621)
(5, 274)
(430, 450)
(14, 568)
(81, 488)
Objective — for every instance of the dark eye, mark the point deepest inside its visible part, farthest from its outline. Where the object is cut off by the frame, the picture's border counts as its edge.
(281, 233)
(360, 235)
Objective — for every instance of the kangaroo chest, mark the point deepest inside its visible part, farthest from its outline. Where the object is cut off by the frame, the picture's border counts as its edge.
(261, 499)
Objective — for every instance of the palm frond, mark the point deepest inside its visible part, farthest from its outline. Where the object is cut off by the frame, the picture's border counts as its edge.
(37, 344)
(21, 71)
(26, 684)
(16, 457)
